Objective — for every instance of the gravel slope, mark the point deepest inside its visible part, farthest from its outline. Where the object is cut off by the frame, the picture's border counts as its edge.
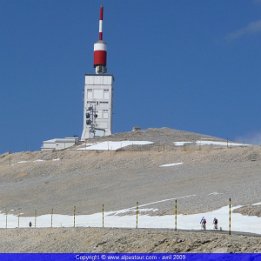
(96, 240)
(88, 179)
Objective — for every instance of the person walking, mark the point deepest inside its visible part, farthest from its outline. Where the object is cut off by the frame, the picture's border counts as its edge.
(215, 222)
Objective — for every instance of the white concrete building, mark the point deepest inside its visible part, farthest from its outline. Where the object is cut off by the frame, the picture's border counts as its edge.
(59, 143)
(97, 111)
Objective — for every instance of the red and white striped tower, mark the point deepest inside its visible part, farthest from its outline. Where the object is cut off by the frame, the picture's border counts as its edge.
(100, 50)
(98, 93)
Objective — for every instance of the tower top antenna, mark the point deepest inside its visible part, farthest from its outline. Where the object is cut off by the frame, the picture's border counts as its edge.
(100, 49)
(100, 23)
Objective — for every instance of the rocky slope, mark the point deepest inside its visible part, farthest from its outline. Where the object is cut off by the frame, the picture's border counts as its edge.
(96, 240)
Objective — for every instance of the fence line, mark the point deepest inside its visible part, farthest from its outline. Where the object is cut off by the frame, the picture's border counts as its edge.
(137, 216)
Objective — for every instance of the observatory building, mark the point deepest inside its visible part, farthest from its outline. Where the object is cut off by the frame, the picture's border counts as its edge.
(98, 90)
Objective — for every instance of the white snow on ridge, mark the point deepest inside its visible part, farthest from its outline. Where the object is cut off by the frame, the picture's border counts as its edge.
(114, 145)
(38, 160)
(220, 143)
(211, 143)
(214, 193)
(22, 162)
(35, 161)
(182, 143)
(56, 159)
(133, 210)
(153, 203)
(257, 204)
(171, 164)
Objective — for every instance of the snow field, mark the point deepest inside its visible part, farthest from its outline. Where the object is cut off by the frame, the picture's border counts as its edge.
(241, 223)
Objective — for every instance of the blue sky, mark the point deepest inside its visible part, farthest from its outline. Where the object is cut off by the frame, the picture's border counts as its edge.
(191, 65)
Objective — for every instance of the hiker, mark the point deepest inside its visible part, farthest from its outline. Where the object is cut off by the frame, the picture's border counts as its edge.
(215, 222)
(30, 224)
(203, 223)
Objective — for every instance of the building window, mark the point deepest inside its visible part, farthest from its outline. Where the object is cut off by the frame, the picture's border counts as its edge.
(98, 94)
(89, 94)
(106, 95)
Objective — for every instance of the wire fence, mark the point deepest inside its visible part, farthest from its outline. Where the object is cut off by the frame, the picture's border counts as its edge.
(105, 219)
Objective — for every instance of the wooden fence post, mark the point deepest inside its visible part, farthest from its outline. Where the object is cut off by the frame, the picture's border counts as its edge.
(137, 214)
(102, 215)
(176, 215)
(230, 213)
(35, 215)
(74, 213)
(52, 218)
(18, 217)
(6, 218)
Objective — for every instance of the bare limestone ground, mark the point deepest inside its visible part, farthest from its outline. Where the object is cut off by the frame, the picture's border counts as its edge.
(98, 240)
(120, 179)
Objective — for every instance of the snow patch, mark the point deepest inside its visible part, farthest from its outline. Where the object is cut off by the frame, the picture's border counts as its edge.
(257, 204)
(35, 161)
(114, 145)
(220, 143)
(211, 143)
(38, 160)
(171, 164)
(182, 143)
(153, 203)
(214, 194)
(141, 210)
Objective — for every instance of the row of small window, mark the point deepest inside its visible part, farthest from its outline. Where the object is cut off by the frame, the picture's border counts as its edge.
(98, 94)
(104, 114)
